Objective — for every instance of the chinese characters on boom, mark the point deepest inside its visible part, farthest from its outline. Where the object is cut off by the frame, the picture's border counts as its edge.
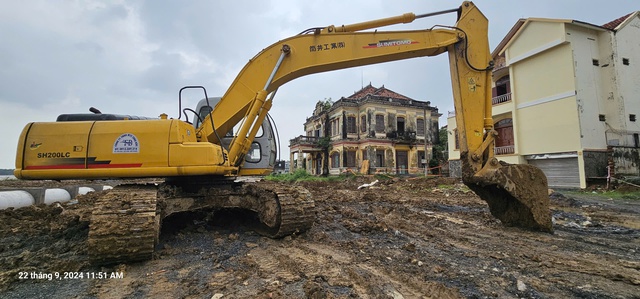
(326, 47)
(69, 275)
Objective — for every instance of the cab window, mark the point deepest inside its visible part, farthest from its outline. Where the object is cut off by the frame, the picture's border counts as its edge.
(255, 153)
(204, 111)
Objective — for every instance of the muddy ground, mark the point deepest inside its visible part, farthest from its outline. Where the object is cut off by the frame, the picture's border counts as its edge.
(405, 238)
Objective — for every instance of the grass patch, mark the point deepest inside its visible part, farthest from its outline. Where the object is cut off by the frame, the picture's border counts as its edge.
(382, 177)
(614, 194)
(446, 187)
(301, 175)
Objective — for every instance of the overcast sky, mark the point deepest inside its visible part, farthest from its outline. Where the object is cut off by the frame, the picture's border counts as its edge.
(132, 57)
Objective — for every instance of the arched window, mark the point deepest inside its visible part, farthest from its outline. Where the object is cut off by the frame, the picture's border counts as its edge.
(504, 141)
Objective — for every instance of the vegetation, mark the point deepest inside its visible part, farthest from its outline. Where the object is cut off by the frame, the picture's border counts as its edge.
(301, 175)
(440, 149)
(382, 176)
(324, 143)
(613, 194)
(326, 104)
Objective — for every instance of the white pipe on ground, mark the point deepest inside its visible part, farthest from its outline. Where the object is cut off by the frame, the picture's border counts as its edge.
(21, 198)
(15, 199)
(85, 190)
(56, 195)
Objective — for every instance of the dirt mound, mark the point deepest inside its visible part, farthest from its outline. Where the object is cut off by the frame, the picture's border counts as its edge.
(40, 239)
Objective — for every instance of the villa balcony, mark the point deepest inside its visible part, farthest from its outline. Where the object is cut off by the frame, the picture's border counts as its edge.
(501, 99)
(504, 150)
(304, 140)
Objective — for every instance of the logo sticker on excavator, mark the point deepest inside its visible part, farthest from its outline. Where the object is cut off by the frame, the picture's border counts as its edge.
(35, 145)
(126, 143)
(326, 47)
(390, 43)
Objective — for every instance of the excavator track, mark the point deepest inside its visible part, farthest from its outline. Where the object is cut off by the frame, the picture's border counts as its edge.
(125, 225)
(281, 209)
(294, 210)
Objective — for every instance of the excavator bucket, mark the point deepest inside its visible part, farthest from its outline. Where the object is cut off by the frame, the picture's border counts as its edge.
(517, 194)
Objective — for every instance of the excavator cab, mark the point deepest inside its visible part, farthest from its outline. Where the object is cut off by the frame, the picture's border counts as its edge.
(261, 157)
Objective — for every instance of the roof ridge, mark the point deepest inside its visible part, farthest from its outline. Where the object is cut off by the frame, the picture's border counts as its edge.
(615, 23)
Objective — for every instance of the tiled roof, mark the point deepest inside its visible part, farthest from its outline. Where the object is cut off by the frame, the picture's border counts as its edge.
(381, 92)
(613, 24)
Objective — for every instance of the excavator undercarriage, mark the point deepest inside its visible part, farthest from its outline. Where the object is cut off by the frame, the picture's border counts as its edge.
(126, 221)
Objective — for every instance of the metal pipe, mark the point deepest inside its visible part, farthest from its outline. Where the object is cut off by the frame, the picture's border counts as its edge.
(285, 51)
(404, 18)
(431, 14)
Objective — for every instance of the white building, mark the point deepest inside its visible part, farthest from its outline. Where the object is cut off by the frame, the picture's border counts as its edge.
(566, 98)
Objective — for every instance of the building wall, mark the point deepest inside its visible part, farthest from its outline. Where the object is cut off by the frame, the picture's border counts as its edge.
(572, 96)
(627, 160)
(590, 89)
(627, 45)
(549, 128)
(535, 81)
(545, 119)
(540, 35)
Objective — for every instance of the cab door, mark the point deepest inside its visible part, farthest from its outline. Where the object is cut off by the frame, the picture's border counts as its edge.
(261, 157)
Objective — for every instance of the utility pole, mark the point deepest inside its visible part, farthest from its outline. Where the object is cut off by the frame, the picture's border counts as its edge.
(424, 129)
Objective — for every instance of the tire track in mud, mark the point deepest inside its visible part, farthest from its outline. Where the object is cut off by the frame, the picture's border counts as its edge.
(330, 272)
(485, 253)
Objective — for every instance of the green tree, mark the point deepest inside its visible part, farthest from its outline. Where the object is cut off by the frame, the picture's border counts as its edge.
(440, 150)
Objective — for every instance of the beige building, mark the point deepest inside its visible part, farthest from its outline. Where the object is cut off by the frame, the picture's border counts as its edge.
(566, 98)
(375, 130)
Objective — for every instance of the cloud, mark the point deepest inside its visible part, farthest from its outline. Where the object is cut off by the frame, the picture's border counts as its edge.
(132, 57)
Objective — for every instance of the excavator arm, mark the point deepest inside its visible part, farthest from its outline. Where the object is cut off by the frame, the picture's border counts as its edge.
(323, 50)
(516, 194)
(333, 48)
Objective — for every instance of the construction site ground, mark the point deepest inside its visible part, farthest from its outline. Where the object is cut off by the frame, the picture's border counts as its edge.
(401, 238)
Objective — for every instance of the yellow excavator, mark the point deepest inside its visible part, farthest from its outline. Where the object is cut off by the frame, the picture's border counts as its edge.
(199, 159)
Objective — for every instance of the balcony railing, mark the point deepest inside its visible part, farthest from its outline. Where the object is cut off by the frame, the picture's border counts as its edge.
(501, 99)
(311, 140)
(504, 150)
(499, 65)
